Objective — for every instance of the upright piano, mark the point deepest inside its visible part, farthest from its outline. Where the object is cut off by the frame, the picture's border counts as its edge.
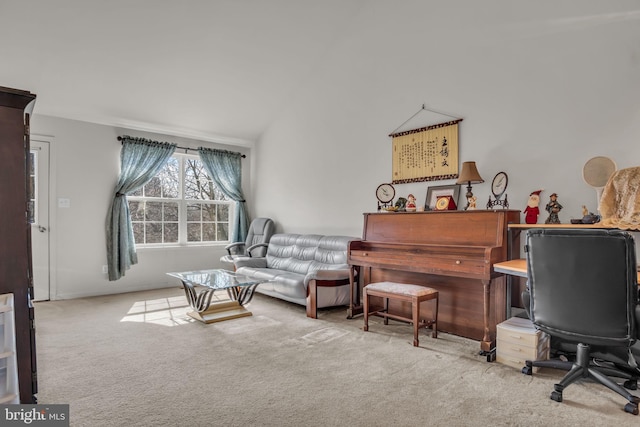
(451, 251)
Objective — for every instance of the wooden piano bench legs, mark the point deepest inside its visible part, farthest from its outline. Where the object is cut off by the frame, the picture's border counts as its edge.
(415, 294)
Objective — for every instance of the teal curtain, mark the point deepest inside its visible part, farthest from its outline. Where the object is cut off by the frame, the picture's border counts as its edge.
(225, 168)
(140, 160)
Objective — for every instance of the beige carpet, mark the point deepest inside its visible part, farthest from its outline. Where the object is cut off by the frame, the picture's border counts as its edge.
(137, 360)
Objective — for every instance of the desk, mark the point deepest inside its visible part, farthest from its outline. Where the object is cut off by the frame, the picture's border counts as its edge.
(514, 267)
(518, 267)
(513, 233)
(524, 226)
(514, 230)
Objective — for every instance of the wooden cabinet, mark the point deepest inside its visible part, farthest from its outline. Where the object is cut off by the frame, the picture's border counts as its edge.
(15, 231)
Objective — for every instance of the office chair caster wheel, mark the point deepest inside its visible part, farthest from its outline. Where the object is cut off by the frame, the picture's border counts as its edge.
(527, 370)
(556, 395)
(631, 384)
(631, 408)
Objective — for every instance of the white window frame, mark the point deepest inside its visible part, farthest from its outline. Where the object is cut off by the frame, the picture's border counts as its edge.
(182, 210)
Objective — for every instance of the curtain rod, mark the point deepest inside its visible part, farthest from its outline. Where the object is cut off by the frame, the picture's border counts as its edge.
(120, 138)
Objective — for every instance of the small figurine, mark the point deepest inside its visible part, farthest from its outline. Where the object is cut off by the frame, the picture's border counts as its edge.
(532, 211)
(553, 207)
(411, 203)
(588, 217)
(472, 203)
(401, 204)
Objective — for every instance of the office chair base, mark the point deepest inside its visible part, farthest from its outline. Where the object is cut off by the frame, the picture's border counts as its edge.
(631, 407)
(556, 395)
(550, 363)
(583, 368)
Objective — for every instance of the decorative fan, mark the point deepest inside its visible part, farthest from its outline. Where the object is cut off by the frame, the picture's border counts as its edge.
(596, 172)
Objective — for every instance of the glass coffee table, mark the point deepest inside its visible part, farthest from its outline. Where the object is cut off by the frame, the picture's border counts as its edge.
(199, 287)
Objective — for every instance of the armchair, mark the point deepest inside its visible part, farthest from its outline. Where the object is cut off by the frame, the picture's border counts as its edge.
(255, 245)
(583, 292)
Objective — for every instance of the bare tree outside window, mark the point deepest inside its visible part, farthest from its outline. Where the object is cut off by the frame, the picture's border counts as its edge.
(158, 209)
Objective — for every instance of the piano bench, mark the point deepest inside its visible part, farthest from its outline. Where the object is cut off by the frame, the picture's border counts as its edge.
(415, 294)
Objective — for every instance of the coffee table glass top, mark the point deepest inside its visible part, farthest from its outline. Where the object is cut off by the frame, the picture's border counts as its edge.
(215, 279)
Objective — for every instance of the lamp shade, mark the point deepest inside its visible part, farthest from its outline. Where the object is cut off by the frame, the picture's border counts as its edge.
(469, 174)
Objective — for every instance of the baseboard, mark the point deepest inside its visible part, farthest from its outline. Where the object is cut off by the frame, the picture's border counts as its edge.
(114, 292)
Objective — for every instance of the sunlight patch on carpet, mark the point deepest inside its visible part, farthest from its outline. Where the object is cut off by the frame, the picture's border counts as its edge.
(170, 311)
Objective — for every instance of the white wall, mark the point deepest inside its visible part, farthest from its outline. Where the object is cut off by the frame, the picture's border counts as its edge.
(85, 168)
(539, 98)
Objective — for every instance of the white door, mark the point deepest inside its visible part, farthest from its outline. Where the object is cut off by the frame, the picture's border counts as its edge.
(39, 218)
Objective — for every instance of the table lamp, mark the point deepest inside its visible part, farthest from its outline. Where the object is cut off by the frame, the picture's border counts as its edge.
(469, 175)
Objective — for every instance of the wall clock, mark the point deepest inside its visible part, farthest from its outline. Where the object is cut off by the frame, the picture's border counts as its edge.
(445, 203)
(498, 188)
(385, 194)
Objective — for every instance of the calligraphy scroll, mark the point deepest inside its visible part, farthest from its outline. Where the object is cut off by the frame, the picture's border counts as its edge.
(426, 154)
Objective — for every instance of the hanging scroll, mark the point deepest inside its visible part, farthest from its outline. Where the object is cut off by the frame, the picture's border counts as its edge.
(426, 154)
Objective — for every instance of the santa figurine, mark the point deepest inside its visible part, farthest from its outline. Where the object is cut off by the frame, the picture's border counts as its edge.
(411, 203)
(532, 211)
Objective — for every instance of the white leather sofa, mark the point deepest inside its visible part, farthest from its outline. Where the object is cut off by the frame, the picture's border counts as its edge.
(309, 270)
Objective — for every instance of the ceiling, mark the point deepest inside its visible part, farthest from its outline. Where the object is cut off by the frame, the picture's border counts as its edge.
(223, 70)
(212, 70)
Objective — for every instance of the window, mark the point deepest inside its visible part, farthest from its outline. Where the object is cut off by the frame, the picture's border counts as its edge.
(180, 205)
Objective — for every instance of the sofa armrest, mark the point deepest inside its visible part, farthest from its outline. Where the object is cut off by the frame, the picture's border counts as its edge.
(337, 274)
(235, 245)
(322, 278)
(257, 245)
(250, 262)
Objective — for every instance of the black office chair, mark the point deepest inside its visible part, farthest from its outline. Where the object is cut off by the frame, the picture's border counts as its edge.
(583, 292)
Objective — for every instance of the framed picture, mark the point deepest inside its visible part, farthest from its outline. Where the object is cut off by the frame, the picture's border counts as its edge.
(441, 190)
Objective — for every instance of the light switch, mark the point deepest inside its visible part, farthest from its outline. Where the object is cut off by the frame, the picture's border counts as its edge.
(64, 203)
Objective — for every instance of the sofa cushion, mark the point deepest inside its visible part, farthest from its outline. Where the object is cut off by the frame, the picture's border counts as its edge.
(260, 273)
(304, 253)
(292, 252)
(290, 285)
(254, 263)
(280, 250)
(331, 253)
(281, 281)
